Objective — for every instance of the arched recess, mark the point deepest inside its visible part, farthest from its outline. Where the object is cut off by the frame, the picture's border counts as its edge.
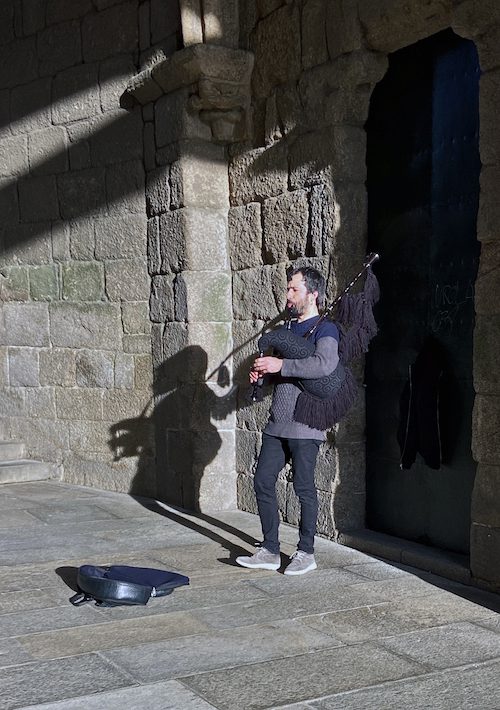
(423, 191)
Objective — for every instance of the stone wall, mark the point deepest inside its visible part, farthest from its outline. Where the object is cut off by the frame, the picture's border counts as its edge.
(298, 190)
(76, 364)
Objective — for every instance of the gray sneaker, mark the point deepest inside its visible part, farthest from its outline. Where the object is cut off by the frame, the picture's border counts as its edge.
(301, 562)
(262, 559)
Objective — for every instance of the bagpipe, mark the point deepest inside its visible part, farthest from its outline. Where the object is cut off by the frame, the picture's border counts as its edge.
(325, 400)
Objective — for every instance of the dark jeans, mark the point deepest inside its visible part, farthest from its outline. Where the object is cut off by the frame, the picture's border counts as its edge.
(275, 452)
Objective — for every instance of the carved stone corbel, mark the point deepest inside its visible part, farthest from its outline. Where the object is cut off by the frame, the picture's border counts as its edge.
(219, 78)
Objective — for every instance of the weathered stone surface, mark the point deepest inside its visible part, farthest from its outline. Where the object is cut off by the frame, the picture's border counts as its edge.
(475, 17)
(13, 156)
(96, 325)
(25, 324)
(57, 367)
(127, 280)
(485, 507)
(44, 282)
(486, 342)
(488, 217)
(207, 295)
(82, 239)
(82, 281)
(216, 341)
(485, 552)
(81, 193)
(487, 47)
(45, 438)
(162, 299)
(277, 50)
(111, 31)
(23, 367)
(60, 10)
(246, 493)
(122, 405)
(9, 201)
(19, 62)
(174, 121)
(48, 151)
(75, 403)
(165, 20)
(313, 35)
(259, 293)
(389, 25)
(40, 402)
(489, 142)
(343, 29)
(94, 368)
(125, 188)
(121, 237)
(30, 106)
(205, 235)
(124, 371)
(153, 246)
(158, 191)
(60, 241)
(136, 343)
(247, 450)
(349, 489)
(285, 226)
(38, 199)
(143, 372)
(59, 47)
(80, 81)
(191, 22)
(340, 91)
(117, 138)
(135, 318)
(14, 285)
(245, 236)
(257, 174)
(199, 178)
(114, 75)
(485, 424)
(171, 241)
(487, 286)
(338, 153)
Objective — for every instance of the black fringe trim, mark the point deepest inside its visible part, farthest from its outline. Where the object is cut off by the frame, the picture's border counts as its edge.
(323, 414)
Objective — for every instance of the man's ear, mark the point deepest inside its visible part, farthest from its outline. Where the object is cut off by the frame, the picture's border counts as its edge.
(315, 294)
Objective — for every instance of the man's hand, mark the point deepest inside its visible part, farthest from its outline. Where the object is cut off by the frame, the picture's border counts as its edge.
(265, 366)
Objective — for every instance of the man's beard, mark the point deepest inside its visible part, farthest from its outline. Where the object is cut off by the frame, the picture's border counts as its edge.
(296, 310)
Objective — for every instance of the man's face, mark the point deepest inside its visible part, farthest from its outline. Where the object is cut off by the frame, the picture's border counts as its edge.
(298, 300)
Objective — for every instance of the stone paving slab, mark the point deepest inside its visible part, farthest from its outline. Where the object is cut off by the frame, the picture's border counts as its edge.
(45, 681)
(447, 646)
(293, 606)
(464, 689)
(264, 685)
(218, 650)
(35, 621)
(390, 618)
(111, 634)
(170, 695)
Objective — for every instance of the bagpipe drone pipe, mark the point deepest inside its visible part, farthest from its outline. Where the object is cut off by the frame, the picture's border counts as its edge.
(325, 400)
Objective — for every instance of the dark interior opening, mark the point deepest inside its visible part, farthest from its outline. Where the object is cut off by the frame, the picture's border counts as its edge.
(423, 190)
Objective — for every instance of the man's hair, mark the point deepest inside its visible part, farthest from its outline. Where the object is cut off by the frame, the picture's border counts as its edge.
(313, 280)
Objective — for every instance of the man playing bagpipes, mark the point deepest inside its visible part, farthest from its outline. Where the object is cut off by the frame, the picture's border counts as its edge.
(313, 389)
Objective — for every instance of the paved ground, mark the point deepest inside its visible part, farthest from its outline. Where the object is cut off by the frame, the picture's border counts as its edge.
(356, 634)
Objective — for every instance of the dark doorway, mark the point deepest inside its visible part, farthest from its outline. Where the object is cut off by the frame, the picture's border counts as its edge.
(423, 190)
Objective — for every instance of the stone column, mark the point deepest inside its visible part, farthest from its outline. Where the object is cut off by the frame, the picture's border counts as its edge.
(195, 103)
(481, 23)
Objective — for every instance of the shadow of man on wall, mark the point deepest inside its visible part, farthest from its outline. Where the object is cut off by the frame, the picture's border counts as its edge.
(178, 426)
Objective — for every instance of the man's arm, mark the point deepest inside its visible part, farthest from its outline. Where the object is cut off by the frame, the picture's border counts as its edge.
(322, 362)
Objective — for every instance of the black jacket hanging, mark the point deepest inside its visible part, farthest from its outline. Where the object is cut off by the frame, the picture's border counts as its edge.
(419, 428)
